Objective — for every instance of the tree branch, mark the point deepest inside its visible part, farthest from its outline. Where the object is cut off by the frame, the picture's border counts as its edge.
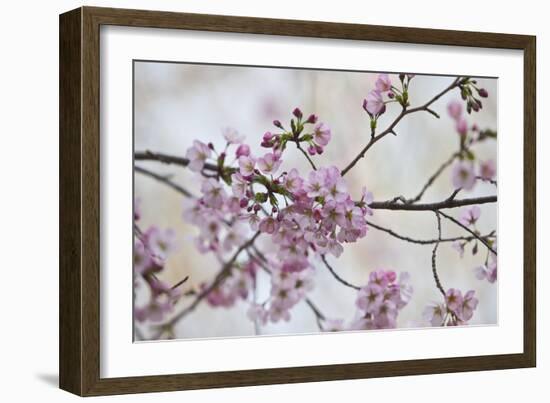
(336, 276)
(423, 241)
(483, 241)
(434, 256)
(390, 128)
(448, 203)
(168, 159)
(432, 178)
(299, 147)
(217, 281)
(164, 180)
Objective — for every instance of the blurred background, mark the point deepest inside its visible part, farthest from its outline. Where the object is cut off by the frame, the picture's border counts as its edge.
(176, 103)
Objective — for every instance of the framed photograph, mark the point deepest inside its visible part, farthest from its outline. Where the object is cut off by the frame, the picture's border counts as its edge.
(249, 201)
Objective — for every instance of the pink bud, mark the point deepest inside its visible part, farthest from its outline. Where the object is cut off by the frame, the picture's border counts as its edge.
(278, 124)
(297, 112)
(312, 118)
(483, 93)
(312, 150)
(243, 151)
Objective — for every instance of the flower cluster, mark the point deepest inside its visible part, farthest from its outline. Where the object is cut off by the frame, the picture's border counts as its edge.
(378, 303)
(457, 310)
(303, 216)
(468, 90)
(234, 287)
(375, 105)
(464, 172)
(382, 298)
(316, 139)
(151, 249)
(287, 289)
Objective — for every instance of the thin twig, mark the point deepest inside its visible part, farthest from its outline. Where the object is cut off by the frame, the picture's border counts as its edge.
(390, 128)
(483, 241)
(336, 276)
(434, 256)
(432, 178)
(422, 241)
(299, 147)
(164, 180)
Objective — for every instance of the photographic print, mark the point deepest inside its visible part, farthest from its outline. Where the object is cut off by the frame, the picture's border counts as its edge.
(284, 201)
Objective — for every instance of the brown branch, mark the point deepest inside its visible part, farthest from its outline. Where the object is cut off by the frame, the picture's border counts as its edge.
(299, 147)
(164, 180)
(336, 276)
(448, 203)
(391, 127)
(423, 241)
(217, 281)
(168, 159)
(432, 178)
(483, 241)
(434, 256)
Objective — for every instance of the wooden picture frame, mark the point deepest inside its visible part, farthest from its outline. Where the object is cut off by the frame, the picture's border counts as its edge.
(79, 346)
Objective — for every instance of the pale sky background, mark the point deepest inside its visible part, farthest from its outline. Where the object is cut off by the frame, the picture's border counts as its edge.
(177, 103)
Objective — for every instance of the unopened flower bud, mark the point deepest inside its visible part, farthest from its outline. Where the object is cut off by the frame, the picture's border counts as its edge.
(297, 112)
(278, 124)
(312, 118)
(243, 151)
(483, 93)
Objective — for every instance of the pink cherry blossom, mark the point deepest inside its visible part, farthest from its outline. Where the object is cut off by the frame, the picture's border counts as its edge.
(292, 181)
(197, 155)
(487, 272)
(213, 193)
(269, 225)
(374, 103)
(160, 243)
(462, 126)
(435, 314)
(469, 216)
(454, 299)
(246, 165)
(369, 298)
(383, 83)
(232, 136)
(269, 164)
(455, 109)
(257, 313)
(469, 304)
(463, 176)
(321, 134)
(238, 184)
(487, 169)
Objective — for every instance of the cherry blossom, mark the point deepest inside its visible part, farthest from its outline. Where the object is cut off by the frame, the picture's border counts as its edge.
(463, 176)
(197, 155)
